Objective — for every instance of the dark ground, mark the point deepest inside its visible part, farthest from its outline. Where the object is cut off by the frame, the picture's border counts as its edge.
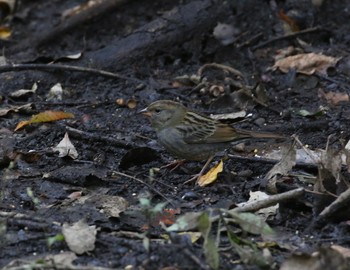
(117, 129)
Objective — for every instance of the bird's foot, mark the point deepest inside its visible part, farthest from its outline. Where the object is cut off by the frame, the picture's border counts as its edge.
(199, 175)
(174, 165)
(193, 178)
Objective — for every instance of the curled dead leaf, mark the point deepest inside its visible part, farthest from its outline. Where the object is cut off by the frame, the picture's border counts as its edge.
(211, 175)
(47, 116)
(306, 63)
(334, 98)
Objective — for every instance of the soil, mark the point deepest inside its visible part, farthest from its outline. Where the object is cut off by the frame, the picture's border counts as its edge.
(148, 45)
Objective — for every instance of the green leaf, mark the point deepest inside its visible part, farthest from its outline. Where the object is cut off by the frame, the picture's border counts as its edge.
(204, 224)
(145, 242)
(251, 223)
(211, 253)
(145, 202)
(306, 113)
(159, 207)
(186, 222)
(57, 238)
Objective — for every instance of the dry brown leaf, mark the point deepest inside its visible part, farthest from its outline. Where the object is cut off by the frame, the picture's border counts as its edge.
(5, 32)
(306, 63)
(47, 116)
(289, 21)
(334, 97)
(211, 175)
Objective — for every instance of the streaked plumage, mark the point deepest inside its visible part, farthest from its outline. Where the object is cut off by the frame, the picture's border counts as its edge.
(192, 136)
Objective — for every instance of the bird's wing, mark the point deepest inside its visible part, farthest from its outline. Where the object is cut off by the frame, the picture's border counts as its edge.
(200, 129)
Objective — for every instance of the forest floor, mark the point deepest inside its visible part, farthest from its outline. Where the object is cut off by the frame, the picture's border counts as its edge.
(283, 65)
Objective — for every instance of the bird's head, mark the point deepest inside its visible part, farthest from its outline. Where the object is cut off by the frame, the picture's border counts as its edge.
(164, 113)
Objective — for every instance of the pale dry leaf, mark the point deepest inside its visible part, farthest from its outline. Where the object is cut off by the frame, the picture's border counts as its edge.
(347, 155)
(283, 53)
(112, 206)
(287, 162)
(229, 116)
(66, 148)
(55, 93)
(324, 258)
(225, 33)
(332, 161)
(80, 237)
(27, 108)
(342, 250)
(265, 213)
(63, 258)
(3, 61)
(23, 92)
(306, 63)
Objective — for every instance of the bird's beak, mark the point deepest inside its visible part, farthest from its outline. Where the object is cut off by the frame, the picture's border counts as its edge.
(145, 112)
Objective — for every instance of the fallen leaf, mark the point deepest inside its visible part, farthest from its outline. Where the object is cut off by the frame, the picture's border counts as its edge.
(80, 237)
(288, 20)
(66, 148)
(283, 53)
(47, 116)
(306, 113)
(55, 92)
(225, 33)
(251, 223)
(23, 92)
(231, 116)
(286, 163)
(325, 258)
(186, 222)
(211, 175)
(112, 206)
(167, 217)
(5, 32)
(25, 108)
(306, 63)
(334, 98)
(264, 212)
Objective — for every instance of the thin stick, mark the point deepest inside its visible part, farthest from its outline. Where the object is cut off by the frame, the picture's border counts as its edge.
(272, 200)
(292, 35)
(146, 184)
(91, 136)
(60, 67)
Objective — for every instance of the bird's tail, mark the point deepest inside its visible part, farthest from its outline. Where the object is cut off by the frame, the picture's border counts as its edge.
(259, 135)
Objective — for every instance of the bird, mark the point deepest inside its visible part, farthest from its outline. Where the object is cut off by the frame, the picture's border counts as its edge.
(189, 135)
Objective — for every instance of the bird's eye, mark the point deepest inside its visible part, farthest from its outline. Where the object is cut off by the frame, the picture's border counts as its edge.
(157, 110)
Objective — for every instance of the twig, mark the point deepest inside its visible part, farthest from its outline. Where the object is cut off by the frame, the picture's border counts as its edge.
(84, 13)
(60, 67)
(272, 200)
(292, 35)
(87, 135)
(146, 184)
(196, 259)
(271, 161)
(333, 209)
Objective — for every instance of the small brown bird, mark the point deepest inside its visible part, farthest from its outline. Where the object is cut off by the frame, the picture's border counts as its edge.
(188, 135)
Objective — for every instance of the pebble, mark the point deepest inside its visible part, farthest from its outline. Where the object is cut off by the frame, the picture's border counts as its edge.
(260, 121)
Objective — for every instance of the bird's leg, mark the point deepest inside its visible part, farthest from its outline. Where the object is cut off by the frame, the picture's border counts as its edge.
(174, 165)
(198, 175)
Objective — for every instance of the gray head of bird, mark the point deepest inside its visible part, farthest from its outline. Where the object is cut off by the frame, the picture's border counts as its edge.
(164, 113)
